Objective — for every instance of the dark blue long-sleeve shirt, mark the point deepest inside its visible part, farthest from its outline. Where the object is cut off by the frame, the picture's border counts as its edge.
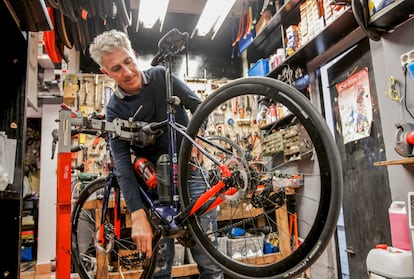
(152, 97)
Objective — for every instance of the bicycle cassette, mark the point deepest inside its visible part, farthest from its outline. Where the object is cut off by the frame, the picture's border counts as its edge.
(404, 139)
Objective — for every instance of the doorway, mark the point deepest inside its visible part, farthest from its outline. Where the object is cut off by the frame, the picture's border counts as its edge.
(364, 218)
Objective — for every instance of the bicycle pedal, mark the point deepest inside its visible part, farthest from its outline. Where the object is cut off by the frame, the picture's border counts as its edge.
(133, 260)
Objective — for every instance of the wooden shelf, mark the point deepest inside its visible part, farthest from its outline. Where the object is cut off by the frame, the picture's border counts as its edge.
(177, 271)
(405, 161)
(227, 212)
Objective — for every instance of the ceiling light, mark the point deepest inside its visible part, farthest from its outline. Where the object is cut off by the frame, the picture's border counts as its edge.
(152, 11)
(212, 17)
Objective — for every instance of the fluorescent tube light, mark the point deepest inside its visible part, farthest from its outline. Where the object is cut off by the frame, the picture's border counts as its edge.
(152, 11)
(212, 17)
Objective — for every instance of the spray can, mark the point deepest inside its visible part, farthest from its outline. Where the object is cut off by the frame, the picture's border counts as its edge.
(146, 170)
(163, 178)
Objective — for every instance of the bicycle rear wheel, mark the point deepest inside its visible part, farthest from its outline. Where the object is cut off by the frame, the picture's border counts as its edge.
(283, 200)
(91, 257)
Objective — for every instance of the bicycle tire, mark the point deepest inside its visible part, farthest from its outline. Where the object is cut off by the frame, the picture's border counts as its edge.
(84, 236)
(317, 214)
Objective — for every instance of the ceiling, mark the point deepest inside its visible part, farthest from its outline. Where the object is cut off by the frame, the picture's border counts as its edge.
(192, 6)
(183, 15)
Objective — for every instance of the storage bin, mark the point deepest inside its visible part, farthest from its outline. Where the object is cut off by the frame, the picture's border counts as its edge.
(222, 244)
(245, 246)
(260, 68)
(400, 235)
(26, 254)
(179, 254)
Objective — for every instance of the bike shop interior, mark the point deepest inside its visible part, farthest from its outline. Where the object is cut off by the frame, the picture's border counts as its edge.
(319, 47)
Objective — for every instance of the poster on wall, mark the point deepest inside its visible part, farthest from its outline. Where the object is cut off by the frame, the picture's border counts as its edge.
(355, 107)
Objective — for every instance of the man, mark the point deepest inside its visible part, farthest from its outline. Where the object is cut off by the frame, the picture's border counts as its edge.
(113, 52)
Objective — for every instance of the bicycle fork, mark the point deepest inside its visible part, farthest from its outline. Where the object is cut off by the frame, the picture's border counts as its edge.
(105, 245)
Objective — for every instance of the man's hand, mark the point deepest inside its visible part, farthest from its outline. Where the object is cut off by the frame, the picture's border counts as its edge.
(141, 232)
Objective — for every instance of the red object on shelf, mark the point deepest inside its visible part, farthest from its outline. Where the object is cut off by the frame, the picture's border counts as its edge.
(381, 246)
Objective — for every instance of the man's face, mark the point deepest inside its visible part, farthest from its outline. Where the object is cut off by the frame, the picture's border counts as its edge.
(122, 68)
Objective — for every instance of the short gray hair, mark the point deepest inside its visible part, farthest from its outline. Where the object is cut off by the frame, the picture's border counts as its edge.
(108, 42)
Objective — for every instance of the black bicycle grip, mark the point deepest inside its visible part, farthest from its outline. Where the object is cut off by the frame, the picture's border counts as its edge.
(172, 43)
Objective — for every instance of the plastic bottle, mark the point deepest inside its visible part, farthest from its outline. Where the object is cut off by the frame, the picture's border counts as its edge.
(163, 178)
(146, 170)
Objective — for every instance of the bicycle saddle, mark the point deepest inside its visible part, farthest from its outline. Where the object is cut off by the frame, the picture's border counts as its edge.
(171, 44)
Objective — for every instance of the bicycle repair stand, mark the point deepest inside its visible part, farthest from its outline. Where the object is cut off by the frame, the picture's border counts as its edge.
(63, 196)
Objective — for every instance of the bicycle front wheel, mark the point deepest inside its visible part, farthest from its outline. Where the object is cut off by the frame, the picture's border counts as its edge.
(280, 207)
(102, 246)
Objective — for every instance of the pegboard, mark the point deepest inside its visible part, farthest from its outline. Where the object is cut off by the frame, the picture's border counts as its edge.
(88, 94)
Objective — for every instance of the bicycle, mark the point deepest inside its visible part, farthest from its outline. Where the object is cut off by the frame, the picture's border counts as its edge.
(249, 187)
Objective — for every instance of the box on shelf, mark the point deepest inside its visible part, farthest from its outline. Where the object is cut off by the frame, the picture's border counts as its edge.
(260, 68)
(376, 5)
(26, 254)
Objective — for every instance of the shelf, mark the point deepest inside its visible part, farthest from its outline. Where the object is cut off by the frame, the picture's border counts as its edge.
(279, 123)
(405, 161)
(328, 37)
(9, 195)
(271, 38)
(177, 271)
(392, 15)
(272, 34)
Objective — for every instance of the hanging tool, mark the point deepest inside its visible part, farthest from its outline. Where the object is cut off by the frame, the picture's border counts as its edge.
(393, 91)
(241, 27)
(241, 107)
(55, 137)
(96, 142)
(293, 229)
(96, 95)
(85, 99)
(248, 107)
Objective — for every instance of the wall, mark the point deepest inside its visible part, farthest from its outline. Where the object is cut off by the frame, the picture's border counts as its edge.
(47, 202)
(386, 62)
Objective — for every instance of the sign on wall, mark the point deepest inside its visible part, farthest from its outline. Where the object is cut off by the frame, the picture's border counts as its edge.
(355, 106)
